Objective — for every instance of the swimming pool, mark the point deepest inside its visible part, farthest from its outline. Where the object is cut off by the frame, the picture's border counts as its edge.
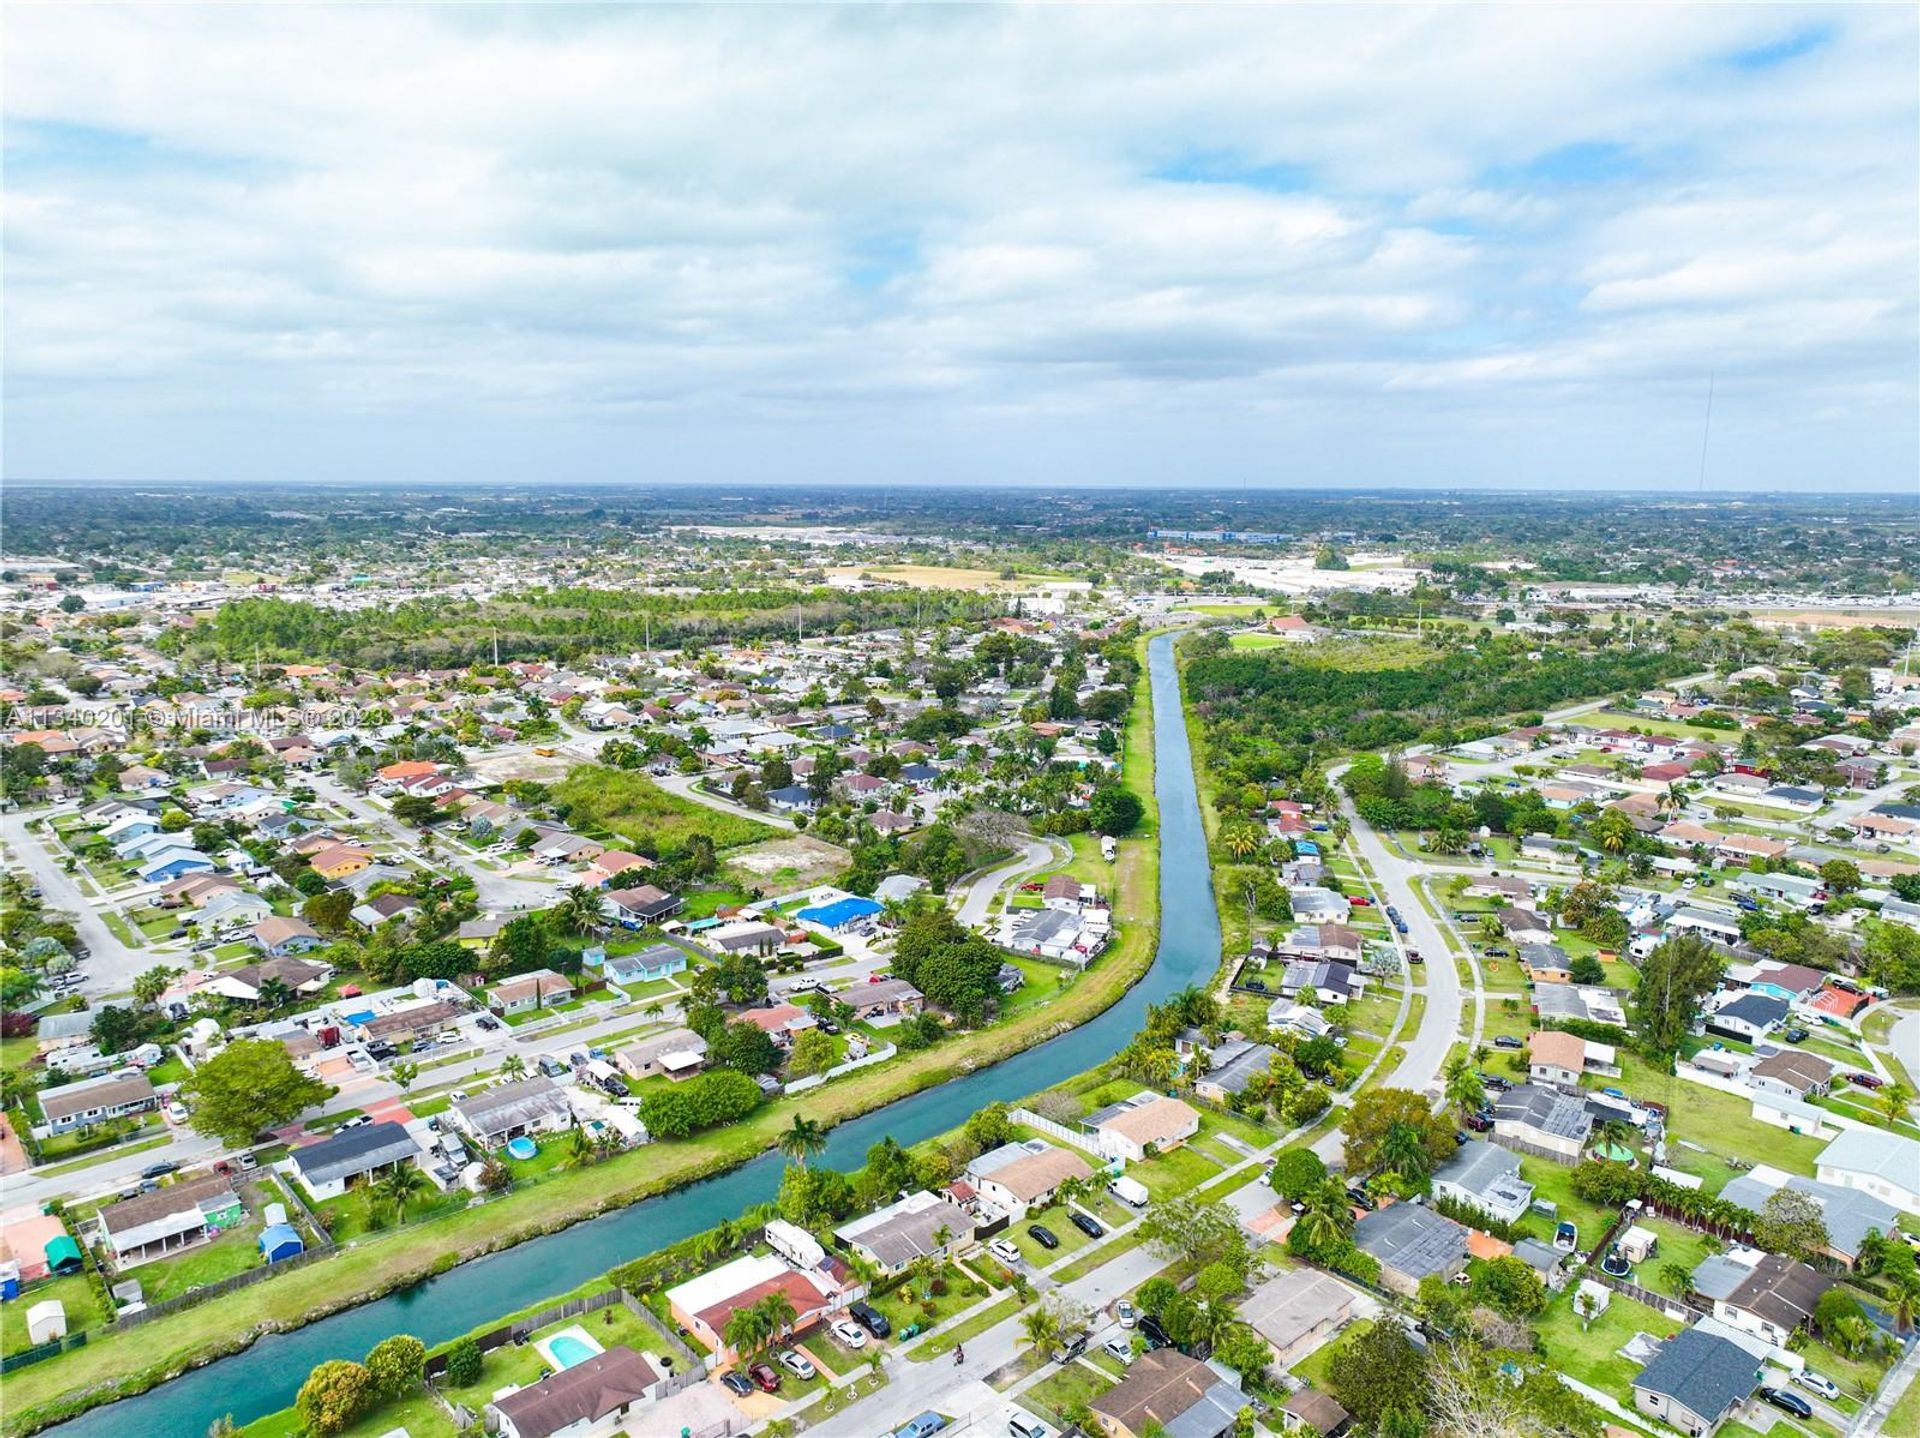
(568, 1348)
(522, 1148)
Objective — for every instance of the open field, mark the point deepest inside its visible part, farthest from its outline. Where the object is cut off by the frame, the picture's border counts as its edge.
(941, 576)
(628, 803)
(791, 861)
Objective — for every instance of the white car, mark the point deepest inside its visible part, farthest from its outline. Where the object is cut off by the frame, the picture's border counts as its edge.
(177, 1111)
(1004, 1250)
(850, 1333)
(797, 1363)
(1817, 1383)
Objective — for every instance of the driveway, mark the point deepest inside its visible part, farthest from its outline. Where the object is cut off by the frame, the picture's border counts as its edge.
(684, 786)
(1034, 856)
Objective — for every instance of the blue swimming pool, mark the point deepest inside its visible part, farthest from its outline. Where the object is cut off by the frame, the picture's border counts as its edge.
(568, 1351)
(522, 1148)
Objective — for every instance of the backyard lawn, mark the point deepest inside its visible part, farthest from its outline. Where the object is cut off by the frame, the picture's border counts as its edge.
(74, 1294)
(1061, 1393)
(915, 1303)
(235, 1251)
(1174, 1173)
(1593, 1356)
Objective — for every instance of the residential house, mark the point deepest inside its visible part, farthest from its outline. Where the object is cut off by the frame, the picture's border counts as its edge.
(94, 1101)
(326, 1169)
(890, 998)
(817, 1287)
(641, 905)
(677, 1053)
(1314, 1413)
(1850, 1215)
(524, 993)
(1297, 1310)
(1720, 927)
(1313, 904)
(339, 861)
(918, 1225)
(1232, 1066)
(611, 865)
(1793, 1074)
(170, 1218)
(1126, 1130)
(1511, 889)
(409, 1025)
(297, 976)
(650, 965)
(1695, 1381)
(1558, 1059)
(1775, 1299)
(382, 909)
(781, 1021)
(1883, 1165)
(282, 938)
(746, 936)
(1555, 1123)
(507, 1110)
(1411, 1241)
(1750, 1017)
(1018, 1176)
(1165, 1391)
(597, 1395)
(1485, 1176)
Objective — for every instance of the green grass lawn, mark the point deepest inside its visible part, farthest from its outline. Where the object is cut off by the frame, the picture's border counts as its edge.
(1593, 1356)
(1055, 1221)
(1314, 1366)
(74, 1294)
(914, 1302)
(947, 1340)
(1176, 1172)
(355, 1213)
(235, 1251)
(1722, 1122)
(1678, 1245)
(1059, 1394)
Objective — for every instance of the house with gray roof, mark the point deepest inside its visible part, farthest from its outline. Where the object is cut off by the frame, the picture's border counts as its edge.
(1411, 1241)
(1885, 1166)
(1558, 1124)
(326, 1168)
(529, 1105)
(1234, 1065)
(1485, 1176)
(1695, 1381)
(921, 1225)
(1850, 1214)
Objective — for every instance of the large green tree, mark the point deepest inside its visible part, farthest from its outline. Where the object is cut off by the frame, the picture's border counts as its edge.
(248, 1086)
(1674, 980)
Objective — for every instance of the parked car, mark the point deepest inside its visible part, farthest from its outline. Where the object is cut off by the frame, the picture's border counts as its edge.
(1151, 1330)
(159, 1170)
(924, 1426)
(737, 1384)
(797, 1363)
(1479, 1123)
(850, 1333)
(871, 1319)
(1413, 957)
(1119, 1348)
(1817, 1383)
(177, 1111)
(1788, 1402)
(1043, 1235)
(1126, 1314)
(1508, 1041)
(1794, 1035)
(248, 1161)
(1359, 1198)
(1089, 1226)
(359, 1120)
(1004, 1250)
(764, 1377)
(1866, 1080)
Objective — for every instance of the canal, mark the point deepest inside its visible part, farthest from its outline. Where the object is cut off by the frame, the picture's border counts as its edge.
(265, 1377)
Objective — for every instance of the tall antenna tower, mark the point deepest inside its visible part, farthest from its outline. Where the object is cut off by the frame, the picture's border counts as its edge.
(1705, 430)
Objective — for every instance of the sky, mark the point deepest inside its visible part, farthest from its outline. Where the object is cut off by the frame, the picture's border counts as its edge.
(1459, 247)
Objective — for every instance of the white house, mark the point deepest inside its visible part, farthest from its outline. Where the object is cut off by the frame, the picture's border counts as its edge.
(1886, 1165)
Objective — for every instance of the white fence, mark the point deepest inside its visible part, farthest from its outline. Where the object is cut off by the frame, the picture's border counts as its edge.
(1083, 1141)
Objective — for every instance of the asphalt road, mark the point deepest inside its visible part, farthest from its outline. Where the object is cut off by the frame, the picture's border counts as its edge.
(1036, 855)
(112, 966)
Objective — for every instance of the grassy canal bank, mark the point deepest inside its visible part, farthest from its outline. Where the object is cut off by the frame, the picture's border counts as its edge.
(117, 1363)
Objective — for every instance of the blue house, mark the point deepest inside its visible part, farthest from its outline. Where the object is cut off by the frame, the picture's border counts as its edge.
(172, 863)
(841, 913)
(655, 962)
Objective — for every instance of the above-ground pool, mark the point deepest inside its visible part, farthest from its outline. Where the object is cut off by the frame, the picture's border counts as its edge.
(568, 1348)
(522, 1147)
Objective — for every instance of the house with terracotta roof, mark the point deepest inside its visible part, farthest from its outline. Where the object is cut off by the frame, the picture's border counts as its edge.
(817, 1286)
(1127, 1129)
(1558, 1058)
(340, 861)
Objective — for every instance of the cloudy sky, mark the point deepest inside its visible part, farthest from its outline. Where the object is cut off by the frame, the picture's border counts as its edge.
(1461, 246)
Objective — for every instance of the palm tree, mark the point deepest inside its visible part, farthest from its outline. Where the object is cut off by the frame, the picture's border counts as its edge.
(802, 1139)
(1040, 1329)
(1329, 1214)
(1404, 1150)
(1465, 1090)
(1241, 840)
(778, 1313)
(1678, 1277)
(579, 910)
(399, 1185)
(513, 1067)
(746, 1332)
(1893, 1101)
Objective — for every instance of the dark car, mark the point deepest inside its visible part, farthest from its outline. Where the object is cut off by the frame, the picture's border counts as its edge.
(1151, 1330)
(1042, 1235)
(1794, 1035)
(1358, 1198)
(1867, 1080)
(1089, 1226)
(1479, 1122)
(1788, 1402)
(737, 1383)
(765, 1377)
(1495, 1082)
(871, 1319)
(1508, 1041)
(159, 1170)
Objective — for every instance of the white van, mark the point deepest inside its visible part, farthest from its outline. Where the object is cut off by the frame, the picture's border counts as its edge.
(1130, 1191)
(1024, 1425)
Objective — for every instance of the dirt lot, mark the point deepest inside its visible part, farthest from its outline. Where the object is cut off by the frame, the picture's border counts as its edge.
(499, 768)
(796, 861)
(941, 576)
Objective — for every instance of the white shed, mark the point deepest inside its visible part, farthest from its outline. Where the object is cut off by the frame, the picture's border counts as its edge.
(46, 1321)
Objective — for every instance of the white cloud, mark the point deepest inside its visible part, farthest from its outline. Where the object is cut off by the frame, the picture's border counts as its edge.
(861, 219)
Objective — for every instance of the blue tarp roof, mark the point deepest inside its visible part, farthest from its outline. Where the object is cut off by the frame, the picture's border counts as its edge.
(840, 911)
(280, 1240)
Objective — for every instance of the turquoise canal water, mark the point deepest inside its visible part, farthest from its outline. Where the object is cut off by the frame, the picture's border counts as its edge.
(265, 1377)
